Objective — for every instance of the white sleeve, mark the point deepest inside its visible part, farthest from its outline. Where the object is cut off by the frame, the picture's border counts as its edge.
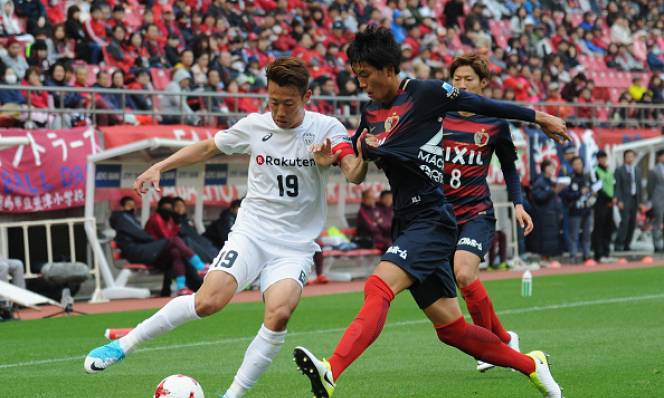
(336, 132)
(236, 139)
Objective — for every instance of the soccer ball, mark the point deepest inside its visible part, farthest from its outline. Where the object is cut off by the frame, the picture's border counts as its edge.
(179, 386)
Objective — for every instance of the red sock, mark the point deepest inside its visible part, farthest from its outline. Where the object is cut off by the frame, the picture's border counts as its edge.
(481, 310)
(366, 326)
(484, 345)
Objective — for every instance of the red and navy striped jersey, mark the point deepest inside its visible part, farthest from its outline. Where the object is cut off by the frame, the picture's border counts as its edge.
(410, 134)
(468, 145)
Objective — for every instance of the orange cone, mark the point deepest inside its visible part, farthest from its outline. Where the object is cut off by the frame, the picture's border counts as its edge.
(590, 263)
(647, 260)
(554, 264)
(622, 260)
(114, 334)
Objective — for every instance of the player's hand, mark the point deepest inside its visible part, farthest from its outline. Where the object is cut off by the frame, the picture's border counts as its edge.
(323, 153)
(554, 127)
(365, 139)
(523, 218)
(150, 177)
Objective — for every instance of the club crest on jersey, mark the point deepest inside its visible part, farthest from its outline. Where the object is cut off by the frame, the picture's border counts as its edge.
(391, 122)
(481, 138)
(308, 138)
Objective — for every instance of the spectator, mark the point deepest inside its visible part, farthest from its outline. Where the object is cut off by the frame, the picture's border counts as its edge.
(33, 11)
(175, 103)
(623, 110)
(517, 82)
(172, 51)
(546, 217)
(14, 59)
(39, 55)
(452, 11)
(115, 51)
(135, 50)
(371, 228)
(572, 90)
(9, 23)
(161, 224)
(620, 32)
(655, 63)
(38, 99)
(142, 82)
(625, 60)
(195, 241)
(553, 96)
(61, 47)
(154, 46)
(656, 86)
(384, 206)
(11, 96)
(168, 255)
(95, 28)
(628, 196)
(637, 89)
(200, 69)
(656, 196)
(586, 113)
(603, 225)
(579, 199)
(217, 232)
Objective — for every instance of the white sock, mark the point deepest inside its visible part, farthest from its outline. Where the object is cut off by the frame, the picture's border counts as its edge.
(176, 312)
(257, 358)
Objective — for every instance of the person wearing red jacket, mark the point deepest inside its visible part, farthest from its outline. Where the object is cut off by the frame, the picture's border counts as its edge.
(161, 224)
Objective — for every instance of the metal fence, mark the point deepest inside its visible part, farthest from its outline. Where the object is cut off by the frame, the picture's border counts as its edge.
(221, 109)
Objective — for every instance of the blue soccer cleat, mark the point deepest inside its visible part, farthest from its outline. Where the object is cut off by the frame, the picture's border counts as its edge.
(102, 357)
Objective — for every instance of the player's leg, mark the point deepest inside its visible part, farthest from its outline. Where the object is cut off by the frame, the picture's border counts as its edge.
(381, 287)
(281, 299)
(453, 330)
(474, 239)
(232, 269)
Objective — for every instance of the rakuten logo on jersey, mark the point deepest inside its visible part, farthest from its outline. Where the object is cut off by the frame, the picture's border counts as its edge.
(284, 162)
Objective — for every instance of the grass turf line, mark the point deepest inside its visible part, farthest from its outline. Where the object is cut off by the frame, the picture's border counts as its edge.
(601, 346)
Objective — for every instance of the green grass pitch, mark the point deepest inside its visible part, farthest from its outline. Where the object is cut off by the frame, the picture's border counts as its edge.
(605, 332)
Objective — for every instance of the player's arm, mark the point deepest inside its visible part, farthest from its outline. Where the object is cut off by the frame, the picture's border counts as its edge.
(461, 100)
(506, 153)
(353, 167)
(191, 154)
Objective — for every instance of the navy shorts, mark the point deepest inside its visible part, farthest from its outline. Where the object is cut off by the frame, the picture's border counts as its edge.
(423, 245)
(475, 236)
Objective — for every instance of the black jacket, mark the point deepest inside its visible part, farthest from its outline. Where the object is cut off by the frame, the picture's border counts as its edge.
(136, 245)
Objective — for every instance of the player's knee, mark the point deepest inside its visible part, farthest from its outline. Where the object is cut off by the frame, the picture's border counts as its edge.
(465, 277)
(207, 305)
(277, 318)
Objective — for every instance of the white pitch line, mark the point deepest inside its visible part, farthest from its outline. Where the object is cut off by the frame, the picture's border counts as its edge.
(335, 330)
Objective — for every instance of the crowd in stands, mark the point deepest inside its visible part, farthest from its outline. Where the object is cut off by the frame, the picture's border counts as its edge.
(574, 51)
(583, 214)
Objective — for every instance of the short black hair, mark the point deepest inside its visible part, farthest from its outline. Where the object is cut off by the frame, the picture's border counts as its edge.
(375, 46)
(628, 151)
(385, 193)
(659, 153)
(166, 200)
(575, 158)
(545, 163)
(126, 199)
(178, 199)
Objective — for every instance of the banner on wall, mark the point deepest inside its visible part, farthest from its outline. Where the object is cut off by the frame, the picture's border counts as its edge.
(115, 136)
(47, 174)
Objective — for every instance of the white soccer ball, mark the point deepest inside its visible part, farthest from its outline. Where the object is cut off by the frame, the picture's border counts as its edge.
(179, 386)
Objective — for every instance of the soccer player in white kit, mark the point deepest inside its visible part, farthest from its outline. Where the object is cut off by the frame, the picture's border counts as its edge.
(273, 237)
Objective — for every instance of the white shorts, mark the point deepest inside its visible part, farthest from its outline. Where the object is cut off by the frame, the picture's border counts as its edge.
(248, 258)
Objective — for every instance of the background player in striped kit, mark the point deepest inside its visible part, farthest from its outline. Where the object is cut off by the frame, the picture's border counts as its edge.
(469, 142)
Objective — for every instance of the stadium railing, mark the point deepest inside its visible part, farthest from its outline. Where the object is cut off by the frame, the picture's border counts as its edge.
(47, 225)
(345, 108)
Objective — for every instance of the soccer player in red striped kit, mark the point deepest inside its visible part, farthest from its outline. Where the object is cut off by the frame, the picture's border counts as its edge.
(469, 142)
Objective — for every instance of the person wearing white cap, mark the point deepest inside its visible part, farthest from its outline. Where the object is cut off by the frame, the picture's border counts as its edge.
(172, 104)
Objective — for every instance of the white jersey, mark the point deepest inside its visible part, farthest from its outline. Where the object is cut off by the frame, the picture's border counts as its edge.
(286, 200)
